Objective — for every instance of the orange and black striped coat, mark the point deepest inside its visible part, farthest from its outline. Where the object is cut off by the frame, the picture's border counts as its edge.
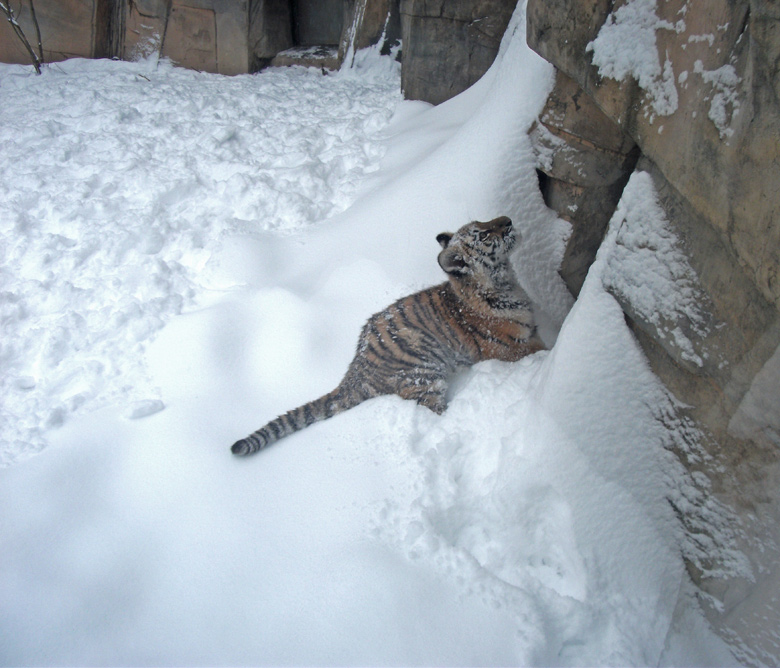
(412, 347)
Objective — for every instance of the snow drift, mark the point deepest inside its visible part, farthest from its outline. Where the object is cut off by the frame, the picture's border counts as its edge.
(199, 253)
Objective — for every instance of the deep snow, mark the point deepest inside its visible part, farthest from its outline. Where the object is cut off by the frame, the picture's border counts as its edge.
(198, 253)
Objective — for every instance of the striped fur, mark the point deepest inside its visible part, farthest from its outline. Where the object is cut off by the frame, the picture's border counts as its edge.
(412, 347)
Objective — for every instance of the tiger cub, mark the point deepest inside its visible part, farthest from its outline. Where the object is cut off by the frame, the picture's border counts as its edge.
(413, 346)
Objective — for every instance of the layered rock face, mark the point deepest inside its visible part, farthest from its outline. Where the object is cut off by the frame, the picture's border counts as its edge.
(220, 36)
(691, 91)
(449, 44)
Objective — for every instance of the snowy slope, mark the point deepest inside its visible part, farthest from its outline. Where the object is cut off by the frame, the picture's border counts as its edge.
(120, 181)
(198, 253)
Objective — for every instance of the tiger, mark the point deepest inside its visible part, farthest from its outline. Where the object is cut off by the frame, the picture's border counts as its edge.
(414, 346)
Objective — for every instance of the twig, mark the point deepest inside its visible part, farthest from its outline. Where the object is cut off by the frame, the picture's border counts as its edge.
(37, 31)
(9, 14)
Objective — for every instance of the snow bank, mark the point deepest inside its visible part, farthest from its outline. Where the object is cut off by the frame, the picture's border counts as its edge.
(528, 525)
(120, 181)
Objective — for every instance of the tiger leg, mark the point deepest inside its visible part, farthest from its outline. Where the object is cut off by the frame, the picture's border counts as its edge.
(426, 392)
(435, 402)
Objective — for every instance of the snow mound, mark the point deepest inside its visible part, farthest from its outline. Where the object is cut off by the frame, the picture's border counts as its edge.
(122, 185)
(528, 525)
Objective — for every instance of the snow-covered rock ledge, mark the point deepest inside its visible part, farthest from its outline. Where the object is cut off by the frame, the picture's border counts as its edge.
(695, 258)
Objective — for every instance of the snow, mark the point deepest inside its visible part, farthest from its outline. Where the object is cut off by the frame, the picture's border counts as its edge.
(626, 45)
(724, 102)
(113, 202)
(198, 253)
(649, 270)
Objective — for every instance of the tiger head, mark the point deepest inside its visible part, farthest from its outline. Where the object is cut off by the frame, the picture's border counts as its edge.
(477, 250)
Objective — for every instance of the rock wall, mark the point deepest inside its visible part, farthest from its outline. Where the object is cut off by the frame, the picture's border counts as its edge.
(69, 29)
(270, 30)
(368, 22)
(222, 36)
(584, 165)
(206, 35)
(695, 87)
(449, 44)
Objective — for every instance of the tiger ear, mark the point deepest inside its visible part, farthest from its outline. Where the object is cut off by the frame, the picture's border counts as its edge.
(452, 263)
(444, 239)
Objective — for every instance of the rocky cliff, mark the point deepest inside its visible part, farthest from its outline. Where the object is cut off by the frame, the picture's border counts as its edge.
(449, 44)
(688, 94)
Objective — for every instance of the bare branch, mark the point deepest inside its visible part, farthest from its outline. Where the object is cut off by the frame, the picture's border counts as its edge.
(37, 31)
(9, 14)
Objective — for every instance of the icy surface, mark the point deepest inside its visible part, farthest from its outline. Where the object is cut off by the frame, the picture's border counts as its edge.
(528, 525)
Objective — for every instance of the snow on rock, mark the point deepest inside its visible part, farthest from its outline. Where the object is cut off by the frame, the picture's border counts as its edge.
(528, 525)
(626, 45)
(649, 270)
(724, 103)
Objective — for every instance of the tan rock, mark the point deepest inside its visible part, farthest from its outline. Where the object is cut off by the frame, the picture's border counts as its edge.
(144, 29)
(191, 37)
(449, 45)
(703, 107)
(66, 31)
